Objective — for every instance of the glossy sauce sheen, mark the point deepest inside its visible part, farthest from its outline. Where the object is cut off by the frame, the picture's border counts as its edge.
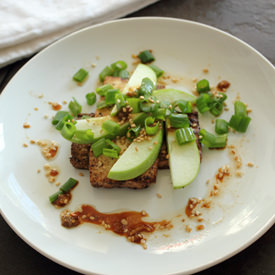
(128, 223)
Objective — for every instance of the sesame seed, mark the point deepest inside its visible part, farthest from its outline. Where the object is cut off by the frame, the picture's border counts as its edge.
(93, 65)
(38, 171)
(25, 145)
(205, 70)
(238, 173)
(159, 195)
(81, 174)
(124, 221)
(250, 164)
(150, 147)
(26, 125)
(36, 109)
(46, 116)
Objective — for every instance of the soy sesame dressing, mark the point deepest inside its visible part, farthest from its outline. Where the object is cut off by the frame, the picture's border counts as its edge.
(129, 224)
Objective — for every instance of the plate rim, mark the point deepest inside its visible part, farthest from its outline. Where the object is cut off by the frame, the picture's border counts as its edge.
(254, 238)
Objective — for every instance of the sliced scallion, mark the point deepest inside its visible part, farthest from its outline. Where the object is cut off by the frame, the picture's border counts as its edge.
(183, 105)
(132, 133)
(211, 140)
(113, 145)
(68, 185)
(54, 196)
(133, 102)
(98, 146)
(111, 127)
(203, 86)
(151, 127)
(112, 153)
(179, 120)
(103, 89)
(221, 126)
(68, 130)
(91, 98)
(75, 107)
(107, 71)
(80, 75)
(146, 56)
(110, 96)
(184, 135)
(159, 72)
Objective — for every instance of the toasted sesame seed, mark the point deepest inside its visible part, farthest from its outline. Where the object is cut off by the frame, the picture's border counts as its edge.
(159, 195)
(205, 70)
(36, 109)
(136, 148)
(26, 125)
(250, 164)
(58, 183)
(25, 145)
(150, 147)
(238, 173)
(124, 221)
(81, 174)
(38, 171)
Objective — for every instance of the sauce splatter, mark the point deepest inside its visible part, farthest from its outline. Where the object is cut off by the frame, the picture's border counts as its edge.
(129, 224)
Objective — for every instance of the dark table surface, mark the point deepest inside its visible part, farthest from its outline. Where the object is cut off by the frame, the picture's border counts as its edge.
(250, 20)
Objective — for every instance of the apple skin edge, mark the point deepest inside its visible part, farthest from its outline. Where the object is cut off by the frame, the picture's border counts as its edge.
(137, 159)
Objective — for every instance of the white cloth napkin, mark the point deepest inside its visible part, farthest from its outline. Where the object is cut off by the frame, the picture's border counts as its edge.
(26, 26)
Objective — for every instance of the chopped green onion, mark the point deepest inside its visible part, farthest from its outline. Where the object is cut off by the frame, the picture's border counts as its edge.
(75, 107)
(113, 145)
(102, 90)
(184, 135)
(146, 57)
(80, 75)
(240, 108)
(54, 196)
(111, 127)
(184, 106)
(221, 126)
(110, 96)
(91, 98)
(123, 74)
(179, 120)
(203, 86)
(134, 103)
(120, 101)
(150, 128)
(211, 140)
(202, 103)
(160, 113)
(216, 108)
(68, 185)
(239, 123)
(68, 130)
(83, 136)
(132, 133)
(159, 72)
(59, 116)
(112, 153)
(147, 106)
(61, 122)
(98, 146)
(119, 66)
(107, 71)
(101, 104)
(222, 97)
(146, 88)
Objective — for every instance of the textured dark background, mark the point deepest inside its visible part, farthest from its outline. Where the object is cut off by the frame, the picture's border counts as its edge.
(250, 20)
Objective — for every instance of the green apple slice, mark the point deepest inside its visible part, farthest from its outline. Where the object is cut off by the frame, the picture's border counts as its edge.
(184, 161)
(135, 80)
(137, 159)
(172, 95)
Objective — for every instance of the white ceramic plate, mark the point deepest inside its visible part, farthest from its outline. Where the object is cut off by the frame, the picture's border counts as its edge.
(241, 213)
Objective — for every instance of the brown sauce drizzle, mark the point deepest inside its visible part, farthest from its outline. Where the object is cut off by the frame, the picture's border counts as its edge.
(129, 224)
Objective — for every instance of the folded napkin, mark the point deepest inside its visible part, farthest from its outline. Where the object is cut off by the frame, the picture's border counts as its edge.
(29, 25)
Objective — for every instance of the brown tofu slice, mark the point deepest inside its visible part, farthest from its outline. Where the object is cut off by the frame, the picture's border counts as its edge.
(99, 168)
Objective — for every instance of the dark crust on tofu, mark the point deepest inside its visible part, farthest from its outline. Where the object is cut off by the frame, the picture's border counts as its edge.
(80, 152)
(100, 167)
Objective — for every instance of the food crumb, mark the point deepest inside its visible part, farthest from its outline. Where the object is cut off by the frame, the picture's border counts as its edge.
(41, 96)
(93, 65)
(239, 174)
(36, 109)
(26, 125)
(64, 102)
(32, 141)
(25, 145)
(208, 181)
(159, 195)
(58, 183)
(205, 70)
(199, 227)
(38, 171)
(188, 228)
(81, 174)
(250, 164)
